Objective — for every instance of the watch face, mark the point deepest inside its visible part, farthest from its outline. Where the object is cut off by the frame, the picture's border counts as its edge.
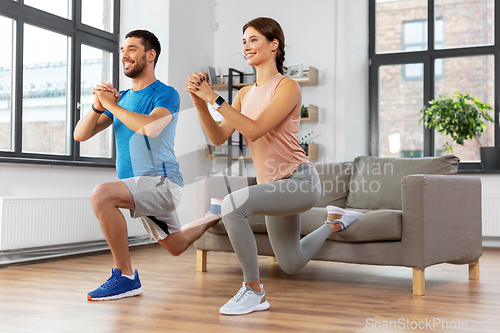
(219, 101)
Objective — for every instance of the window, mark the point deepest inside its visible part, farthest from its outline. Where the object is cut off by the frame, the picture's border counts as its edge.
(7, 67)
(96, 66)
(415, 39)
(419, 50)
(46, 103)
(61, 8)
(56, 51)
(102, 19)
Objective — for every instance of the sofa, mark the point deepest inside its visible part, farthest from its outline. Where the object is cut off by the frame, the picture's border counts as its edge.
(417, 213)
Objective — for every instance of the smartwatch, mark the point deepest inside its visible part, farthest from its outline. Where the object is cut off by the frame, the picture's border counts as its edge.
(218, 102)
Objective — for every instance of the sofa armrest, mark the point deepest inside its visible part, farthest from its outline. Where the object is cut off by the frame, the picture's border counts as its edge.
(216, 187)
(441, 220)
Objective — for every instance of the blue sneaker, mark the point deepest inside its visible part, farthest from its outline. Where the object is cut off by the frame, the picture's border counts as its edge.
(117, 287)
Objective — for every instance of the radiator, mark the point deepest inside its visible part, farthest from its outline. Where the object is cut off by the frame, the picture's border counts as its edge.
(491, 217)
(36, 222)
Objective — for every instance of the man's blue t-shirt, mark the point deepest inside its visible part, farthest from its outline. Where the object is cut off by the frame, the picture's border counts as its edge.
(140, 155)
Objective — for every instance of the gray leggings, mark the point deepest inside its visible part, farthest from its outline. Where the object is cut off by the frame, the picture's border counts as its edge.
(281, 202)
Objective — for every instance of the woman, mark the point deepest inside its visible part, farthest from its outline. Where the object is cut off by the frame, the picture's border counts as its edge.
(267, 114)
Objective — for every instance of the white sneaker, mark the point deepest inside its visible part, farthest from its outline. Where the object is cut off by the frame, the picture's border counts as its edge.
(245, 301)
(348, 216)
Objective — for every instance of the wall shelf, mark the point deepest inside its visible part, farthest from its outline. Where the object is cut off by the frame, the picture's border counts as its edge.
(210, 152)
(312, 151)
(310, 80)
(235, 85)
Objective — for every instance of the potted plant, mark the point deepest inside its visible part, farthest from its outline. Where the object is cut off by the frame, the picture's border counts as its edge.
(461, 119)
(304, 112)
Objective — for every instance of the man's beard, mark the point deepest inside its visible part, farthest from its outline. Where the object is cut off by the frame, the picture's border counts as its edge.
(136, 69)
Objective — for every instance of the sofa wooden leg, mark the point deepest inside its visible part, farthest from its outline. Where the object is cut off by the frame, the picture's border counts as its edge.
(201, 261)
(419, 281)
(272, 259)
(474, 271)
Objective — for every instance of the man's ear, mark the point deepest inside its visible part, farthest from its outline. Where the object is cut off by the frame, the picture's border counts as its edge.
(151, 55)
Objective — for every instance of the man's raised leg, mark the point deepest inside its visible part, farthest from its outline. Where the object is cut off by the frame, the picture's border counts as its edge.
(178, 242)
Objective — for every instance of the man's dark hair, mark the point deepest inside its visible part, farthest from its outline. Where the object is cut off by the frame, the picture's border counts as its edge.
(148, 40)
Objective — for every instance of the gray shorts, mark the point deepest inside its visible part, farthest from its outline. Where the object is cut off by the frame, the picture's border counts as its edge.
(155, 199)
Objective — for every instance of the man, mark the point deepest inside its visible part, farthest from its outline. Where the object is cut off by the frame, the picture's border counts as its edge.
(144, 119)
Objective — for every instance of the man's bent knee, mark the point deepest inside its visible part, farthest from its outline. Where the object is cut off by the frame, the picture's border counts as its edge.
(116, 194)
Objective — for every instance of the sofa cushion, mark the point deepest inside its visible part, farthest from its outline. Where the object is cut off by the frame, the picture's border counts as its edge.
(373, 226)
(376, 182)
(378, 225)
(334, 179)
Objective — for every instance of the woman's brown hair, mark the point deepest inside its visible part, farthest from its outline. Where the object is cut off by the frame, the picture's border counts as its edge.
(270, 29)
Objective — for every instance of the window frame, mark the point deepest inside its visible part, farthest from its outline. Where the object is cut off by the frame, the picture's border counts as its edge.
(427, 57)
(79, 33)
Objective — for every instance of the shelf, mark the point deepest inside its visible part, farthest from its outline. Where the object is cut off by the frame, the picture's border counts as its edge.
(312, 111)
(209, 153)
(310, 80)
(235, 85)
(312, 151)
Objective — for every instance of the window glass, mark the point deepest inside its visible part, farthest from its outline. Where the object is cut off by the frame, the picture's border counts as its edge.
(45, 92)
(6, 85)
(400, 101)
(466, 23)
(390, 31)
(473, 76)
(98, 14)
(415, 39)
(96, 67)
(57, 7)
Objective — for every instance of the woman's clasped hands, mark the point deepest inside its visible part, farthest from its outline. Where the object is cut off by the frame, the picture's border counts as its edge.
(198, 86)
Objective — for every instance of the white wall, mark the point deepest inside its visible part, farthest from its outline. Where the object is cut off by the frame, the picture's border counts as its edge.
(354, 104)
(45, 181)
(191, 50)
(185, 33)
(329, 35)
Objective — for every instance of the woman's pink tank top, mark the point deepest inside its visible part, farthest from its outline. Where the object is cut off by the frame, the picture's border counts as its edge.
(277, 153)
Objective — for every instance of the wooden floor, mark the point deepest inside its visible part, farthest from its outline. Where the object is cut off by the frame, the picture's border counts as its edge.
(323, 297)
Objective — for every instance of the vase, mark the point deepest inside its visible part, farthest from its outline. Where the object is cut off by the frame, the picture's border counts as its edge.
(490, 158)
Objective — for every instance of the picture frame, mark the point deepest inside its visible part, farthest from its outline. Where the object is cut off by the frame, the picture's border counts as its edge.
(294, 71)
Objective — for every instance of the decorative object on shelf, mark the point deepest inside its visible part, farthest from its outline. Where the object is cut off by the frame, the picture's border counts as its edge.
(309, 77)
(309, 113)
(304, 142)
(212, 76)
(214, 152)
(294, 71)
(461, 119)
(304, 112)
